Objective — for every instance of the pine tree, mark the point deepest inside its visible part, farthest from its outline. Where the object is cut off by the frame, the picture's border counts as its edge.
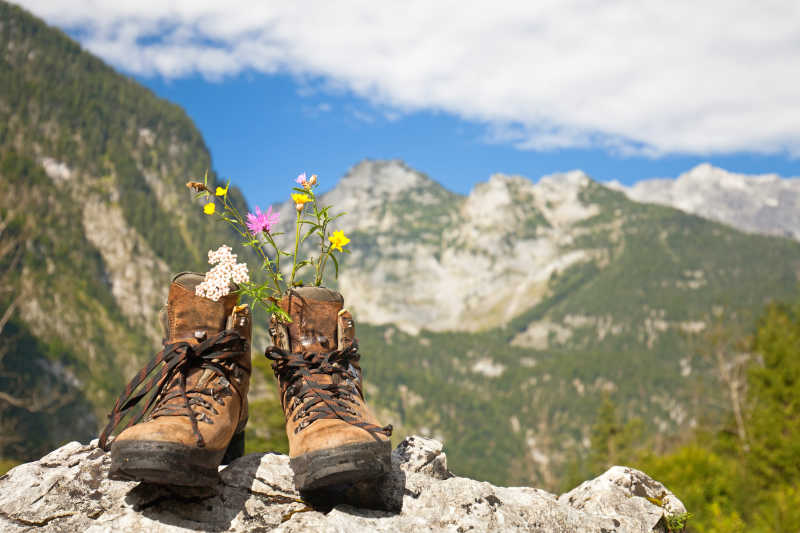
(773, 462)
(612, 441)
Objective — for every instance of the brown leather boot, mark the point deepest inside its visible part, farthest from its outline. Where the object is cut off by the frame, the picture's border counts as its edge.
(333, 436)
(194, 417)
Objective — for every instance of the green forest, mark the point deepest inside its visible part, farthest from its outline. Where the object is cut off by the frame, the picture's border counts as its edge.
(743, 476)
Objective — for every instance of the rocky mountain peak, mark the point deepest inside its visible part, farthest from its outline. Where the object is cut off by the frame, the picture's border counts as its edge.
(706, 175)
(572, 178)
(763, 203)
(490, 203)
(457, 262)
(368, 192)
(384, 177)
(513, 198)
(702, 171)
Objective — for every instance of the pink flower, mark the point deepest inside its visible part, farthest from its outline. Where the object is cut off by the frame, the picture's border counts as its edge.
(301, 179)
(261, 221)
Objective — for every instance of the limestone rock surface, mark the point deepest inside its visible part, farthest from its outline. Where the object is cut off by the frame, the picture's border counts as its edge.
(757, 203)
(67, 490)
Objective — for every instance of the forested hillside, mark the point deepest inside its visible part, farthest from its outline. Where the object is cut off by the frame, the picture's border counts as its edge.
(94, 219)
(743, 475)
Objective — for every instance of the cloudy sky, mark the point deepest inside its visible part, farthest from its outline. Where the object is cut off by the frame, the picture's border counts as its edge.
(623, 90)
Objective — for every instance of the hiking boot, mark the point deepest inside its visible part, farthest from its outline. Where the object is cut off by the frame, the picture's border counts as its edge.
(194, 417)
(333, 436)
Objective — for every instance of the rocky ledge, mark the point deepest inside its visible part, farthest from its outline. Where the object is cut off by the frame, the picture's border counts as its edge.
(67, 490)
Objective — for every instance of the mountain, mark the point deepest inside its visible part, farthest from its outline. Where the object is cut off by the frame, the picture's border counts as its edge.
(94, 219)
(424, 257)
(496, 322)
(763, 203)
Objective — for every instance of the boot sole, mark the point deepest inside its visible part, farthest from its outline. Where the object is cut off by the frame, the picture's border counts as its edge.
(343, 464)
(169, 463)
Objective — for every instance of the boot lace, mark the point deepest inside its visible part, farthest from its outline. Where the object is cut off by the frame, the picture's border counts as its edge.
(173, 363)
(316, 400)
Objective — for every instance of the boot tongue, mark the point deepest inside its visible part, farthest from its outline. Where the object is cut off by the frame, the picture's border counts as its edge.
(192, 317)
(314, 312)
(195, 318)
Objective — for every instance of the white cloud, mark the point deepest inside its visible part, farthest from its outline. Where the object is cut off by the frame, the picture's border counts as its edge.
(630, 76)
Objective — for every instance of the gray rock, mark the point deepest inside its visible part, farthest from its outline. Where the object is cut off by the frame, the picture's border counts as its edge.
(765, 203)
(67, 490)
(636, 500)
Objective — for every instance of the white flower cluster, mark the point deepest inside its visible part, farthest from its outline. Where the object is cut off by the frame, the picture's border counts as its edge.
(217, 281)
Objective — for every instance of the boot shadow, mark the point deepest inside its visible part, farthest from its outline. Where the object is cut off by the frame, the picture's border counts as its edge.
(383, 494)
(211, 508)
(273, 498)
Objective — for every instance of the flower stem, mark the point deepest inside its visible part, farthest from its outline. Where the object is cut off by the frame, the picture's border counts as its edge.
(318, 265)
(248, 235)
(296, 247)
(323, 259)
(277, 262)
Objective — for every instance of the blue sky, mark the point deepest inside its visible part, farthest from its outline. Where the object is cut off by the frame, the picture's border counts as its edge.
(621, 90)
(262, 129)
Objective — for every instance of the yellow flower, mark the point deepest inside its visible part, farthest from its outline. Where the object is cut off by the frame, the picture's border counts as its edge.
(221, 191)
(300, 200)
(209, 208)
(338, 240)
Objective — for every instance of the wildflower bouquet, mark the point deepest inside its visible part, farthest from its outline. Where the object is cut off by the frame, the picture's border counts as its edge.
(257, 231)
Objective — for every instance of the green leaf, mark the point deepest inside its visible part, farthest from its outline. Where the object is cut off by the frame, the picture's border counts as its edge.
(280, 313)
(335, 266)
(308, 233)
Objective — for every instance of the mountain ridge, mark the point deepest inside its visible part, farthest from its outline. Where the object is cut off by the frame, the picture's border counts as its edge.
(760, 203)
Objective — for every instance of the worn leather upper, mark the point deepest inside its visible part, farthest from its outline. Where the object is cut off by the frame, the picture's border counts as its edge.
(320, 324)
(222, 410)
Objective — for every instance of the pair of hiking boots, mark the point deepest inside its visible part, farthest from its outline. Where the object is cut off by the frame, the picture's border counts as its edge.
(187, 409)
